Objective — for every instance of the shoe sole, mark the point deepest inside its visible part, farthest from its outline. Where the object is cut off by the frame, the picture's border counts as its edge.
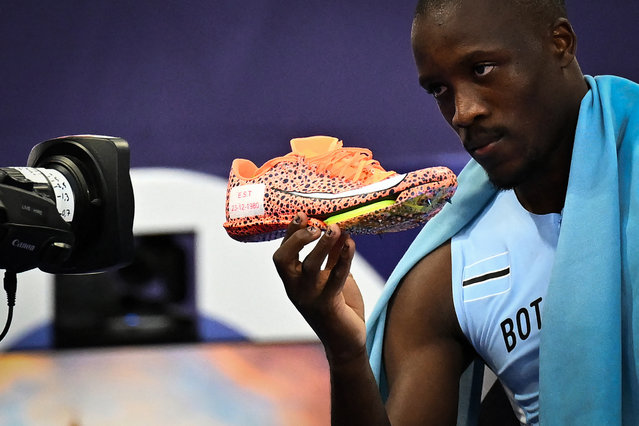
(401, 216)
(413, 207)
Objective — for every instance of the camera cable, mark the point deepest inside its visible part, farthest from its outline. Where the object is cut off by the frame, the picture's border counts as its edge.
(10, 284)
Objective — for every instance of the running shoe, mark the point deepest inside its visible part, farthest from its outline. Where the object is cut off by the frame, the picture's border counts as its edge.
(331, 184)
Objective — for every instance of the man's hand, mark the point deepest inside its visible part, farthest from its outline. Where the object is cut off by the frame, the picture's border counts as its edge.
(328, 298)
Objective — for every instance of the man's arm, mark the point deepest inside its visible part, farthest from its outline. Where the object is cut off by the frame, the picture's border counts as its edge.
(423, 353)
(329, 300)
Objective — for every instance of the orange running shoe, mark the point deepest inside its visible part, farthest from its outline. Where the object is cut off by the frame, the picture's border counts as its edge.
(331, 184)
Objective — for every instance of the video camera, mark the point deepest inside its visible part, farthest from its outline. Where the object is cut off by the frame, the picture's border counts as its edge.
(70, 210)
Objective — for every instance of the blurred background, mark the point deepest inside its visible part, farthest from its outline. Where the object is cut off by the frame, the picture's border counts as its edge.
(191, 85)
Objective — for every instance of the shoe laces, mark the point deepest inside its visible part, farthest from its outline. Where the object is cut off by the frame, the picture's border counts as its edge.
(328, 156)
(356, 164)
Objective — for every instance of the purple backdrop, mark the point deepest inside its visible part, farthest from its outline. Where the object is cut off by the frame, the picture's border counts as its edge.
(196, 83)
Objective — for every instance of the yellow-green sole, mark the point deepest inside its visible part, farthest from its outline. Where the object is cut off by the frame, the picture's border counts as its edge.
(358, 212)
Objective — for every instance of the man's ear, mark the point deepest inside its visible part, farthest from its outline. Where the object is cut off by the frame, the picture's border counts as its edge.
(564, 41)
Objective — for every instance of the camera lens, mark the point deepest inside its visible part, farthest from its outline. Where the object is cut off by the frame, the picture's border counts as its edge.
(49, 183)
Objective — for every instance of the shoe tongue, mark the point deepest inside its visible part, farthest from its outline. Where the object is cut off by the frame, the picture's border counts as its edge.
(315, 145)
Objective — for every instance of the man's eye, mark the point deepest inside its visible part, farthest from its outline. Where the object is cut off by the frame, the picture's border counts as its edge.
(436, 90)
(483, 69)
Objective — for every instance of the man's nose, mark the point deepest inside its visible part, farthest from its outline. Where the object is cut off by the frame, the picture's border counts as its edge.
(468, 107)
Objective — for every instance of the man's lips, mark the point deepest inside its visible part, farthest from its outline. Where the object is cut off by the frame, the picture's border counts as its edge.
(484, 148)
(479, 140)
(482, 145)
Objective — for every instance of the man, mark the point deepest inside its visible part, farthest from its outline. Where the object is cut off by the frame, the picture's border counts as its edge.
(481, 276)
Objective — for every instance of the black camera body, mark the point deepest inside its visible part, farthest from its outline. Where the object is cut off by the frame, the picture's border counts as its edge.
(71, 209)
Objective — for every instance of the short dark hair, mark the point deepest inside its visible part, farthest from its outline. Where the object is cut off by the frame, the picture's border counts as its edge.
(552, 9)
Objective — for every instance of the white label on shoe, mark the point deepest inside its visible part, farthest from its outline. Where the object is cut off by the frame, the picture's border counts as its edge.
(246, 200)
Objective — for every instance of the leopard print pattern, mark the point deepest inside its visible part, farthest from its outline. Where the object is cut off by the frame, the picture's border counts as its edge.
(290, 175)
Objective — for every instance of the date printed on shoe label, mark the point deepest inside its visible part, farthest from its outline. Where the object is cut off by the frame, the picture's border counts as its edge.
(246, 200)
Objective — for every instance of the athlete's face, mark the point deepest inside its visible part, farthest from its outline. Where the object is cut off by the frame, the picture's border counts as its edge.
(496, 81)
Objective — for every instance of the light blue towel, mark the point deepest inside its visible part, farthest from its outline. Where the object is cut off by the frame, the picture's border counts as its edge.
(589, 353)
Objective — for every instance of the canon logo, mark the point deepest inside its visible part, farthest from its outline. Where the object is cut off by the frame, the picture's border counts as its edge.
(21, 245)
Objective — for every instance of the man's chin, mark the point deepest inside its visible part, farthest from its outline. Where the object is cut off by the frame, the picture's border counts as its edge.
(502, 187)
(506, 181)
(510, 175)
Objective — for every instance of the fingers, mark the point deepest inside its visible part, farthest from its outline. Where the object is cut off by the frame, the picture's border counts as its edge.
(340, 249)
(334, 247)
(334, 254)
(298, 235)
(299, 221)
(317, 256)
(342, 268)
